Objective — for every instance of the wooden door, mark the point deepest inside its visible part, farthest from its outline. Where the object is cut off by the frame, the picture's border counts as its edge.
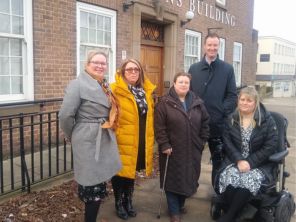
(151, 59)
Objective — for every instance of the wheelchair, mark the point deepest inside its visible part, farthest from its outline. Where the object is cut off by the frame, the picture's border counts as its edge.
(274, 203)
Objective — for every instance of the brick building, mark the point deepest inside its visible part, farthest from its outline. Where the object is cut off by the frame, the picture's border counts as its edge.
(43, 43)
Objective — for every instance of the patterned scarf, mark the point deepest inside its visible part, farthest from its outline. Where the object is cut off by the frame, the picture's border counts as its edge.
(114, 111)
(140, 98)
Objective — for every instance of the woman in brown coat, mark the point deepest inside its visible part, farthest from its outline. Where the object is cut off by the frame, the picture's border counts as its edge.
(181, 130)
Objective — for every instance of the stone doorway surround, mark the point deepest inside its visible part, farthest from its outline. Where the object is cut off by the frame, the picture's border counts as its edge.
(170, 21)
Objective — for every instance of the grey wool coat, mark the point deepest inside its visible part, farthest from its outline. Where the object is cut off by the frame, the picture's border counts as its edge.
(84, 109)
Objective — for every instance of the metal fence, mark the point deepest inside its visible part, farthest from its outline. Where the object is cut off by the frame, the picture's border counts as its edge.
(32, 147)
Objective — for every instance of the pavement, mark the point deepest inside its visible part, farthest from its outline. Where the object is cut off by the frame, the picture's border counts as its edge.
(147, 198)
(147, 192)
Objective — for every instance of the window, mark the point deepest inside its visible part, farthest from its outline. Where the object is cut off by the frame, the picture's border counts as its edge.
(264, 57)
(281, 69)
(275, 48)
(16, 51)
(286, 86)
(237, 62)
(221, 51)
(277, 86)
(96, 30)
(192, 48)
(221, 2)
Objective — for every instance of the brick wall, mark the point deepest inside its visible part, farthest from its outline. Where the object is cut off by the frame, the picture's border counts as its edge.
(55, 38)
(54, 45)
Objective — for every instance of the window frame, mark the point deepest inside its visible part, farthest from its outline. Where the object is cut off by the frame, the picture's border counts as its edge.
(27, 57)
(98, 11)
(222, 49)
(197, 35)
(238, 76)
(221, 3)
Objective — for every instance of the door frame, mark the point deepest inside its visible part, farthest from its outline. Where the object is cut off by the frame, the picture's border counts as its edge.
(171, 21)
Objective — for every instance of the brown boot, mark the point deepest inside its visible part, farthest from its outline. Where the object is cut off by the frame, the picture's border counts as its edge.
(175, 218)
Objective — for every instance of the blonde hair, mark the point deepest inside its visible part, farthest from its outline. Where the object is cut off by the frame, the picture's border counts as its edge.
(251, 92)
(93, 53)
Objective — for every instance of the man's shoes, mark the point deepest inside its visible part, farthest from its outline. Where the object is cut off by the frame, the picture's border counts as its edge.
(175, 218)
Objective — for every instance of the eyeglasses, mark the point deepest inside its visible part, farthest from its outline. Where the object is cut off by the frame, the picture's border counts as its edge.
(131, 70)
(97, 63)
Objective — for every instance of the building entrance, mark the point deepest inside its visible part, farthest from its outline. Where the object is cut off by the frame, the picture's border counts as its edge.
(152, 42)
(151, 59)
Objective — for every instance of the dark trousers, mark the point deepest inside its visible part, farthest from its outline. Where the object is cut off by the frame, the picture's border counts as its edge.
(91, 211)
(236, 198)
(216, 147)
(175, 202)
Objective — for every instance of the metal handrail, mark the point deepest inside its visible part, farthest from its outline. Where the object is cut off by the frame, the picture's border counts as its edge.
(41, 102)
(36, 133)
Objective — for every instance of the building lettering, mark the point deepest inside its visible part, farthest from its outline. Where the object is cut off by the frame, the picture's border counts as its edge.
(207, 10)
(179, 3)
(210, 11)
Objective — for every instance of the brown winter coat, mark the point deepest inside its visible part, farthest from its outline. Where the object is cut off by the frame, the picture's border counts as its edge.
(184, 132)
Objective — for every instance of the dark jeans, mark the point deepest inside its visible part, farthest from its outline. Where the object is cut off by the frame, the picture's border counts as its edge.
(216, 147)
(175, 202)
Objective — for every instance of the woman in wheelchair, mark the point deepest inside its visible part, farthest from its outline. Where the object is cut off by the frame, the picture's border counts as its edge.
(250, 138)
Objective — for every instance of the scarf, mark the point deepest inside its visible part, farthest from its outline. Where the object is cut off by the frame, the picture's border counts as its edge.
(140, 98)
(114, 111)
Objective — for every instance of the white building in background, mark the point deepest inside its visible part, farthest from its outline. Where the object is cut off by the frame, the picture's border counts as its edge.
(276, 65)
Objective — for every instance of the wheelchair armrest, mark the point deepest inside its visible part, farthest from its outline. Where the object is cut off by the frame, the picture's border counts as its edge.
(277, 157)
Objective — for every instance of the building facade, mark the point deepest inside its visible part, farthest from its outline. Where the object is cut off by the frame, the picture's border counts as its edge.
(43, 44)
(276, 65)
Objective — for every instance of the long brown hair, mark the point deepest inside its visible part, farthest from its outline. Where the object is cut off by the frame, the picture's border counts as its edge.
(140, 81)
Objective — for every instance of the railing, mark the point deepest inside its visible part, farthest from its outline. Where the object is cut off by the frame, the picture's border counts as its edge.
(32, 148)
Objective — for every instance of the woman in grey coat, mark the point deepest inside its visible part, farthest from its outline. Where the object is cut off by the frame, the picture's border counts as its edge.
(88, 117)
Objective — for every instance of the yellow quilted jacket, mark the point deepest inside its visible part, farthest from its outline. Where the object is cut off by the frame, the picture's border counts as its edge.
(127, 132)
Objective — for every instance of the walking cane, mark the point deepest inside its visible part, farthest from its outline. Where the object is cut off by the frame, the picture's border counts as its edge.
(163, 184)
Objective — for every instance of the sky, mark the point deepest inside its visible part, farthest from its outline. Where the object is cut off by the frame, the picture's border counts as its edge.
(276, 18)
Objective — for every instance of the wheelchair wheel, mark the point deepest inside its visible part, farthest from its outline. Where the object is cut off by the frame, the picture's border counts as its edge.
(285, 208)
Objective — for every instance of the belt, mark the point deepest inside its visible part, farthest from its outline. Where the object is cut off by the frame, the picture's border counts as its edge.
(100, 121)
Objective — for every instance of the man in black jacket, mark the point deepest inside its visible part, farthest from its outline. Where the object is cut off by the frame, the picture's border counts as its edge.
(213, 80)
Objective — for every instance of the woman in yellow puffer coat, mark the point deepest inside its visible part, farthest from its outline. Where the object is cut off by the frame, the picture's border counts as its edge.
(135, 133)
